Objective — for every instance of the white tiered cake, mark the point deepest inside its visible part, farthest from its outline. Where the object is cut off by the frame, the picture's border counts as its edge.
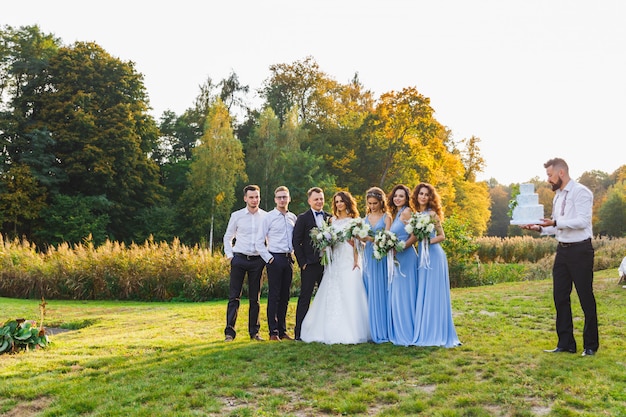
(528, 209)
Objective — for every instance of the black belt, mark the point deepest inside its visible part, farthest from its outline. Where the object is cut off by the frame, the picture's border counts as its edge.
(568, 244)
(285, 254)
(248, 257)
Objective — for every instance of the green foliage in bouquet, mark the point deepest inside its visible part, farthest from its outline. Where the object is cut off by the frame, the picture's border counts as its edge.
(513, 200)
(21, 334)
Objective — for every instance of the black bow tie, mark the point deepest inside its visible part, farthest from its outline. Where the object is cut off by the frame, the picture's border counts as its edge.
(318, 213)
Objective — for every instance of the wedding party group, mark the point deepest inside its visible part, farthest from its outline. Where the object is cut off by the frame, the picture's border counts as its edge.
(381, 278)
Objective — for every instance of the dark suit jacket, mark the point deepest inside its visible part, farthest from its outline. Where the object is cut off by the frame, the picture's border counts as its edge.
(302, 245)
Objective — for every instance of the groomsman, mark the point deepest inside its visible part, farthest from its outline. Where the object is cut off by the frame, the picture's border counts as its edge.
(311, 270)
(245, 260)
(274, 244)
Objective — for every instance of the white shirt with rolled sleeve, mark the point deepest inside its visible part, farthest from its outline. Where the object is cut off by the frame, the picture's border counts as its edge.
(243, 226)
(572, 209)
(275, 234)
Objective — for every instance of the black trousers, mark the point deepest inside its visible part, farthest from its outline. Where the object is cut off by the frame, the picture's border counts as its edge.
(279, 277)
(240, 266)
(573, 265)
(310, 276)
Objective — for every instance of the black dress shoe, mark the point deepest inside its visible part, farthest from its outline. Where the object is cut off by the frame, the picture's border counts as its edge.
(588, 352)
(560, 350)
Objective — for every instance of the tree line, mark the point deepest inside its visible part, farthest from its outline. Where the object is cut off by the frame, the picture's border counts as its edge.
(82, 157)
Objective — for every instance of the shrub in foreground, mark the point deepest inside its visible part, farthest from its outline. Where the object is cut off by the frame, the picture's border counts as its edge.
(21, 334)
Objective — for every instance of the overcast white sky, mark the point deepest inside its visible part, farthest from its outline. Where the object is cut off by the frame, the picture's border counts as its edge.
(533, 79)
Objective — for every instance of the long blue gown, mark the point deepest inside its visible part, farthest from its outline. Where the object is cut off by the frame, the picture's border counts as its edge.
(433, 320)
(375, 279)
(403, 290)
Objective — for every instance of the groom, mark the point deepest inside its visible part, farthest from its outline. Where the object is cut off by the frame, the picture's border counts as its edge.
(311, 270)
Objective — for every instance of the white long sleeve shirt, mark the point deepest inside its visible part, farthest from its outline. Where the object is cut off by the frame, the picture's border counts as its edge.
(243, 226)
(275, 234)
(572, 209)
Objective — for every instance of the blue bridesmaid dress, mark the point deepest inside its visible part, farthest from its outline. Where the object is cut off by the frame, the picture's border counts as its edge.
(433, 320)
(375, 279)
(403, 290)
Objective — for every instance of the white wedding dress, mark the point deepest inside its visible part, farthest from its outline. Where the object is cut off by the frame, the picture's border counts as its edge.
(339, 313)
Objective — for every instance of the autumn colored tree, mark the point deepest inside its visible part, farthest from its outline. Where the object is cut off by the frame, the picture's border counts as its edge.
(612, 213)
(21, 196)
(473, 161)
(499, 221)
(473, 205)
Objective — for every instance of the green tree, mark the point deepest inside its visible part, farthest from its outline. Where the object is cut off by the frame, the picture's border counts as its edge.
(95, 108)
(28, 164)
(274, 157)
(612, 214)
(233, 94)
(339, 139)
(74, 219)
(301, 85)
(217, 166)
(460, 250)
(263, 155)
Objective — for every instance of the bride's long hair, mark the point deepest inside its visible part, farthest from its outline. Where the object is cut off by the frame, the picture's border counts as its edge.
(347, 198)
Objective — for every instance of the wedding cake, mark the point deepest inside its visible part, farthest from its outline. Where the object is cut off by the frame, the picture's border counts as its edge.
(528, 210)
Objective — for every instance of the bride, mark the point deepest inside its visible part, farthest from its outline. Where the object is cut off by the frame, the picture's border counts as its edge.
(339, 313)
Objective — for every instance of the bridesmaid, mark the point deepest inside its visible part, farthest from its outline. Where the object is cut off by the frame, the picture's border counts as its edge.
(375, 271)
(403, 287)
(433, 321)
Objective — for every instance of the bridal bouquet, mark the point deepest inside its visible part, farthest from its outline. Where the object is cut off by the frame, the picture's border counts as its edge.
(323, 239)
(384, 241)
(420, 225)
(357, 229)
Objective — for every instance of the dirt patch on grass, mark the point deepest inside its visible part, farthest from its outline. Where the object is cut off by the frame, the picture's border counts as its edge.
(51, 331)
(29, 409)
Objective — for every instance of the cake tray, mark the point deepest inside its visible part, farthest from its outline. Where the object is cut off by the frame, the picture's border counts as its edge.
(522, 222)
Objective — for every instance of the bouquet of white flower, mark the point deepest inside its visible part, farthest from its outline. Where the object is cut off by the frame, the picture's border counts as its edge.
(323, 239)
(357, 228)
(420, 225)
(384, 241)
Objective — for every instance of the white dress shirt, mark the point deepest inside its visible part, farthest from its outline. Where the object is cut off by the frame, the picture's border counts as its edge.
(572, 209)
(275, 234)
(243, 226)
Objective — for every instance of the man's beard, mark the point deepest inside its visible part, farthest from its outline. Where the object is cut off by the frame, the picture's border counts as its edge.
(557, 185)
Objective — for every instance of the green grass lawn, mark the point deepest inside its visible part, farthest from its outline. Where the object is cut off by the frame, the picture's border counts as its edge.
(169, 359)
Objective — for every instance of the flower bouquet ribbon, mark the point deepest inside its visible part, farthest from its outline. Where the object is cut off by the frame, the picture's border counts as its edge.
(421, 225)
(425, 254)
(385, 243)
(323, 239)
